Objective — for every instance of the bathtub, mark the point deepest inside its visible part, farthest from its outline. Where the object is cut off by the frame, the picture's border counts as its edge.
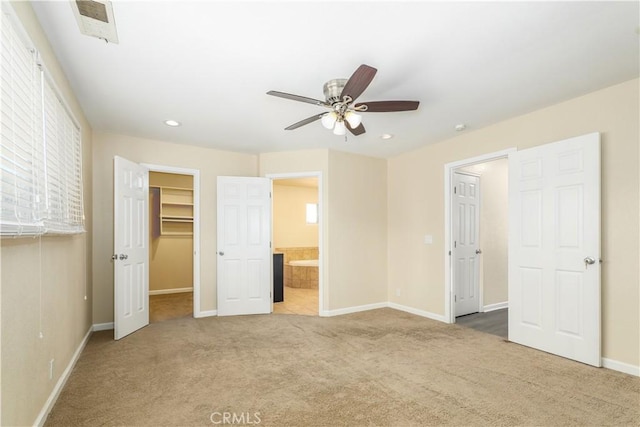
(304, 262)
(301, 273)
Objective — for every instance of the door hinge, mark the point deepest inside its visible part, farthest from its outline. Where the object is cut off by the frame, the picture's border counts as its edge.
(455, 244)
(449, 253)
(455, 190)
(455, 298)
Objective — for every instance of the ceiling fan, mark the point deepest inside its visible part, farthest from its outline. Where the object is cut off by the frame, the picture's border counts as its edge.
(340, 95)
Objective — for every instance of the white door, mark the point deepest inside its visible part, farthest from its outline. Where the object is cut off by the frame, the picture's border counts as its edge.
(131, 249)
(244, 245)
(554, 248)
(466, 214)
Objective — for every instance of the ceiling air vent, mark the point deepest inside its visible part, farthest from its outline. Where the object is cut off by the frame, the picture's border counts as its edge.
(95, 19)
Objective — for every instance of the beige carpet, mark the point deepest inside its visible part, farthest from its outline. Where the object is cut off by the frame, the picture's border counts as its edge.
(376, 368)
(170, 306)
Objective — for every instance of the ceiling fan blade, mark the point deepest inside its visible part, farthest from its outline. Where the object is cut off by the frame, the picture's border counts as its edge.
(358, 130)
(298, 98)
(358, 82)
(386, 106)
(305, 122)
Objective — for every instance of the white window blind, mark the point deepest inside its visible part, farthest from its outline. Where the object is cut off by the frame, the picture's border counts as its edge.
(63, 166)
(21, 133)
(41, 147)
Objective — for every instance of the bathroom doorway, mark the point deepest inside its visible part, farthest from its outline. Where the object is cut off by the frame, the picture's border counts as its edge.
(296, 239)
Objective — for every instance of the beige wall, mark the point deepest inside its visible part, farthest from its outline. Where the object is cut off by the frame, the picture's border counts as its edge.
(170, 257)
(494, 227)
(210, 163)
(416, 205)
(45, 284)
(290, 228)
(358, 222)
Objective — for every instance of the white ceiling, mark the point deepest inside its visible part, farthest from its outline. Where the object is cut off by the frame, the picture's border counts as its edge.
(209, 64)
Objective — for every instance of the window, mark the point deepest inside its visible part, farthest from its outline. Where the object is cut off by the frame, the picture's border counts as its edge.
(40, 146)
(312, 213)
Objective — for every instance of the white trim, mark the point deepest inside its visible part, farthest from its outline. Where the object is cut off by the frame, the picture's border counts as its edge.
(417, 312)
(206, 313)
(322, 301)
(102, 327)
(196, 225)
(497, 306)
(48, 406)
(170, 291)
(449, 312)
(621, 367)
(356, 309)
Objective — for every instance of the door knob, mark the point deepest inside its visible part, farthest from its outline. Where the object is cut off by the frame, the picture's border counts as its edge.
(221, 253)
(589, 261)
(123, 256)
(478, 251)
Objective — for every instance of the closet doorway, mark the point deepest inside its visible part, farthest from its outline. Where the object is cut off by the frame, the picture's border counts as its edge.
(173, 243)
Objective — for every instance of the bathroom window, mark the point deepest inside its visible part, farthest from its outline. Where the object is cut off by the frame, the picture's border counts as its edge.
(312, 213)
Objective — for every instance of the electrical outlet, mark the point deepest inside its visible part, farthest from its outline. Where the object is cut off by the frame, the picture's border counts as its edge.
(51, 363)
(398, 292)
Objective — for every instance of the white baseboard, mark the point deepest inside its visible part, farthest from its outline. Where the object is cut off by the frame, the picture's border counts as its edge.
(417, 312)
(349, 310)
(170, 291)
(42, 416)
(621, 367)
(102, 326)
(206, 313)
(496, 306)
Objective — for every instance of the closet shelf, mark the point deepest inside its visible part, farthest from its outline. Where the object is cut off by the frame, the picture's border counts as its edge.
(177, 203)
(175, 211)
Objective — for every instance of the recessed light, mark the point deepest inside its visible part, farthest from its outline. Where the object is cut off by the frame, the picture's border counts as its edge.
(386, 136)
(460, 127)
(172, 123)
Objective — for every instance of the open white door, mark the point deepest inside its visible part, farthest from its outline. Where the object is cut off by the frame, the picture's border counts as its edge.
(554, 248)
(131, 247)
(244, 245)
(466, 216)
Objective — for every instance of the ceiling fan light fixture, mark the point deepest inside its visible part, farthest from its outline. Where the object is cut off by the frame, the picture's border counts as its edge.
(353, 119)
(340, 128)
(329, 120)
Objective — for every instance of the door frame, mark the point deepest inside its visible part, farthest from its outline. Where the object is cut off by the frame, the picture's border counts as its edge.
(479, 270)
(321, 219)
(449, 168)
(195, 173)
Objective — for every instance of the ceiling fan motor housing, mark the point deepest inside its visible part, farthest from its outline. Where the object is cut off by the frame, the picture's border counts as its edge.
(333, 89)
